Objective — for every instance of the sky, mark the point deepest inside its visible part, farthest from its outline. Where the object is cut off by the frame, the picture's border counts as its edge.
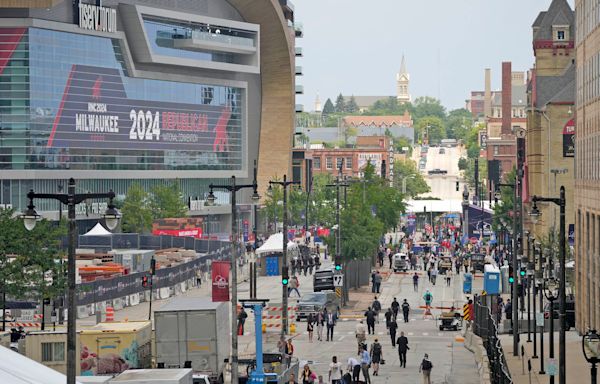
(355, 47)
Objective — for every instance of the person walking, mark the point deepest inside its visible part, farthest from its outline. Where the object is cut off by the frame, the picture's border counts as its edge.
(395, 307)
(378, 281)
(289, 352)
(373, 283)
(361, 334)
(320, 320)
(428, 297)
(388, 318)
(354, 367)
(448, 277)
(402, 348)
(376, 308)
(434, 273)
(405, 310)
(335, 371)
(416, 282)
(390, 258)
(242, 316)
(331, 322)
(310, 327)
(425, 368)
(508, 309)
(308, 376)
(370, 315)
(376, 356)
(365, 361)
(393, 327)
(294, 284)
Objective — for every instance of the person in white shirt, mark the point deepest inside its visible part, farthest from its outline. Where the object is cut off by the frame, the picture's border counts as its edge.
(335, 371)
(354, 367)
(361, 334)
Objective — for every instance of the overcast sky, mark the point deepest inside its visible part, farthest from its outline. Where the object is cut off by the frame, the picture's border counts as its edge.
(355, 47)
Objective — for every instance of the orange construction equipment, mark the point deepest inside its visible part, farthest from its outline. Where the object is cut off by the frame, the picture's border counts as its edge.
(110, 314)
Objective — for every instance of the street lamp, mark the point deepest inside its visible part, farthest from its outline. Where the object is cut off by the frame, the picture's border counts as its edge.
(540, 284)
(284, 293)
(233, 188)
(550, 291)
(30, 218)
(562, 315)
(590, 344)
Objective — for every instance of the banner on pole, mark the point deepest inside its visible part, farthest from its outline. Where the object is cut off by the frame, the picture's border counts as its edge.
(220, 280)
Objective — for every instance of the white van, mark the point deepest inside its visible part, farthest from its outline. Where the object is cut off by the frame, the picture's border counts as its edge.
(401, 262)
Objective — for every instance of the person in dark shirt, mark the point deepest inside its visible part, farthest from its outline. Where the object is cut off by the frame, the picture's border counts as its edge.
(402, 343)
(370, 315)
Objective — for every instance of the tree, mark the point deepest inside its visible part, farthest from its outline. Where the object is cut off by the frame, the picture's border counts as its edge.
(428, 106)
(352, 107)
(432, 127)
(340, 104)
(415, 183)
(137, 216)
(328, 108)
(462, 164)
(167, 201)
(506, 203)
(458, 123)
(389, 106)
(403, 142)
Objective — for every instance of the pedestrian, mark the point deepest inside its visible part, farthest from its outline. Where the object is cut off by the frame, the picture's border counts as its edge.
(308, 376)
(365, 362)
(281, 345)
(354, 367)
(416, 282)
(380, 257)
(320, 322)
(331, 321)
(199, 278)
(370, 315)
(373, 284)
(402, 349)
(405, 310)
(293, 286)
(428, 297)
(448, 277)
(388, 318)
(347, 377)
(335, 371)
(376, 308)
(508, 309)
(393, 328)
(376, 356)
(395, 307)
(242, 316)
(425, 368)
(289, 352)
(434, 273)
(378, 281)
(390, 258)
(292, 379)
(361, 334)
(429, 274)
(310, 326)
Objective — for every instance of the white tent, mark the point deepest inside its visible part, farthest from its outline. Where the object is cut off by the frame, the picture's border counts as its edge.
(18, 369)
(274, 244)
(98, 230)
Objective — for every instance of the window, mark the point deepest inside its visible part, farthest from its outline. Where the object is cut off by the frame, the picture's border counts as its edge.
(317, 163)
(53, 352)
(349, 162)
(329, 162)
(339, 162)
(560, 35)
(496, 150)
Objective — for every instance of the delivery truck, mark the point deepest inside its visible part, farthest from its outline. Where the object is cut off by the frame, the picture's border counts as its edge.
(193, 333)
(113, 347)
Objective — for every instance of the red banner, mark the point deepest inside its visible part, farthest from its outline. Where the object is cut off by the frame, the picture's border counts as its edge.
(189, 232)
(220, 281)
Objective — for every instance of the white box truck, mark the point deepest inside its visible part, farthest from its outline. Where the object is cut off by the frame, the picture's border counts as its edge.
(151, 376)
(193, 333)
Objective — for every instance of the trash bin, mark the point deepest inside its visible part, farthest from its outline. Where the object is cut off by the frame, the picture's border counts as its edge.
(467, 283)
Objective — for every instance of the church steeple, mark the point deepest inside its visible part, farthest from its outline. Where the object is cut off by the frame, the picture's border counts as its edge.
(402, 83)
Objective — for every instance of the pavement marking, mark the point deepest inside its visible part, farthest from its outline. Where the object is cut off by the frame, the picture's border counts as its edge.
(427, 334)
(347, 319)
(351, 333)
(381, 333)
(342, 338)
(441, 334)
(412, 333)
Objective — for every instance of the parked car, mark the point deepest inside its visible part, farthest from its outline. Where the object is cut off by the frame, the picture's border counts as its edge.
(442, 151)
(312, 303)
(401, 262)
(570, 312)
(323, 280)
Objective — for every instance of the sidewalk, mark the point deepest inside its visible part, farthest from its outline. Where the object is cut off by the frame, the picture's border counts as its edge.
(578, 370)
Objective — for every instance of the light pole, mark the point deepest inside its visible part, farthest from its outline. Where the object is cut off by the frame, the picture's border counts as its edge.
(465, 207)
(528, 278)
(590, 343)
(404, 182)
(111, 218)
(562, 299)
(534, 277)
(540, 285)
(233, 188)
(284, 266)
(551, 296)
(339, 182)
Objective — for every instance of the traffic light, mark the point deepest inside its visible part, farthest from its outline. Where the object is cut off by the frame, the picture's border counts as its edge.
(285, 277)
(338, 266)
(520, 290)
(511, 276)
(144, 281)
(153, 266)
(522, 273)
(457, 186)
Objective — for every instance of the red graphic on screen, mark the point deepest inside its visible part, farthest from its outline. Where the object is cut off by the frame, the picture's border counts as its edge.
(96, 88)
(220, 143)
(8, 43)
(61, 107)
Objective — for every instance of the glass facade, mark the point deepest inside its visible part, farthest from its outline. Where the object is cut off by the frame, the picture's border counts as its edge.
(67, 102)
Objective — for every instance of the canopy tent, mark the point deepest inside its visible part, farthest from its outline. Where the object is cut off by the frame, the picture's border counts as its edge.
(98, 230)
(274, 244)
(18, 369)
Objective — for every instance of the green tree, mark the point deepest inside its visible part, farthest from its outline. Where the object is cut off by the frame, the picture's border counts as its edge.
(403, 142)
(389, 106)
(137, 215)
(167, 201)
(340, 104)
(428, 106)
(462, 164)
(503, 210)
(352, 107)
(415, 183)
(458, 123)
(431, 126)
(328, 108)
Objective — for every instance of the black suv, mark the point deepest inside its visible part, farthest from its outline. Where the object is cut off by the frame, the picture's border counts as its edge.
(570, 307)
(323, 280)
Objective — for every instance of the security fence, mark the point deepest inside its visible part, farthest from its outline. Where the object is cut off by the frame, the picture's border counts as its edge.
(485, 325)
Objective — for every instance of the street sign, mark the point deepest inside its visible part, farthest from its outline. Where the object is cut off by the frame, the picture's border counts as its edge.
(338, 280)
(26, 315)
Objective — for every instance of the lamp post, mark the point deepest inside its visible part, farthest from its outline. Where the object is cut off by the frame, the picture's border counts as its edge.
(284, 293)
(528, 278)
(233, 188)
(534, 280)
(111, 217)
(590, 344)
(562, 299)
(540, 284)
(465, 207)
(551, 296)
(339, 183)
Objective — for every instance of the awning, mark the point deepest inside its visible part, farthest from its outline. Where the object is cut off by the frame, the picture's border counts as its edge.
(98, 230)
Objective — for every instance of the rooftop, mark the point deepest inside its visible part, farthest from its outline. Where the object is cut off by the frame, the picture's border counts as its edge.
(378, 121)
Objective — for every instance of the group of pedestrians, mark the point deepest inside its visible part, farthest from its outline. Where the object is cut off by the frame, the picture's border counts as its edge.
(322, 319)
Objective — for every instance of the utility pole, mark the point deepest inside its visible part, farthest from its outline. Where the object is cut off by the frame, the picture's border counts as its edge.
(339, 182)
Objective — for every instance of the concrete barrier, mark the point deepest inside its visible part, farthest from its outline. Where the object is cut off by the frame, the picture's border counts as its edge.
(474, 344)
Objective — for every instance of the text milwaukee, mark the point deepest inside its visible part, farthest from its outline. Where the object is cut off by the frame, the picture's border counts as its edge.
(97, 18)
